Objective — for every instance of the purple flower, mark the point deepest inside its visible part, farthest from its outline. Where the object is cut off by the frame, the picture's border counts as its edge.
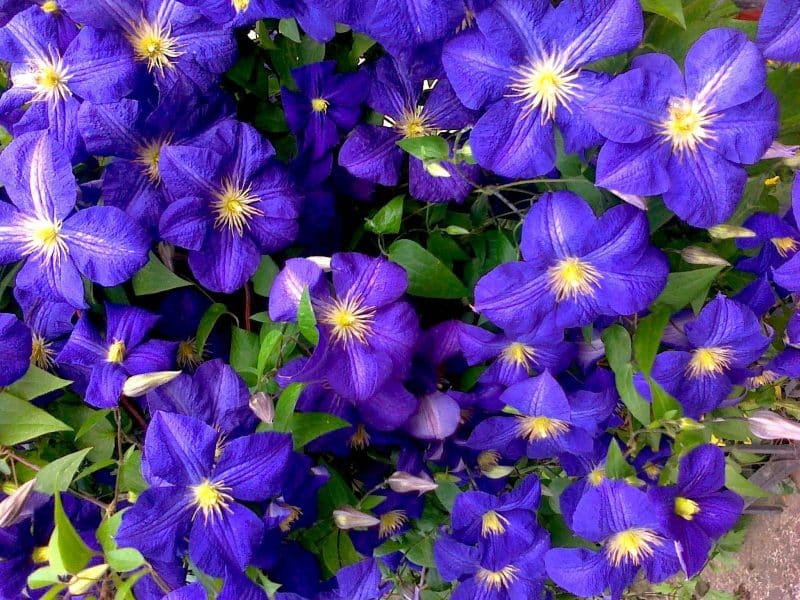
(787, 275)
(779, 30)
(575, 265)
(103, 363)
(359, 581)
(524, 64)
(50, 324)
(516, 356)
(59, 245)
(544, 426)
(371, 151)
(52, 78)
(324, 106)
(233, 203)
(367, 333)
(175, 43)
(15, 351)
(625, 523)
(697, 510)
(724, 337)
(687, 136)
(199, 480)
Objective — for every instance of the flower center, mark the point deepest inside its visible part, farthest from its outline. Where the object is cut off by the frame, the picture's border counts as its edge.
(391, 522)
(686, 508)
(210, 498)
(320, 105)
(187, 355)
(44, 239)
(234, 206)
(571, 277)
(348, 319)
(596, 476)
(540, 428)
(686, 125)
(652, 470)
(116, 352)
(488, 460)
(40, 554)
(50, 7)
(632, 545)
(50, 80)
(152, 42)
(240, 5)
(545, 84)
(497, 580)
(360, 438)
(492, 523)
(519, 354)
(149, 157)
(709, 361)
(413, 124)
(784, 245)
(295, 512)
(42, 354)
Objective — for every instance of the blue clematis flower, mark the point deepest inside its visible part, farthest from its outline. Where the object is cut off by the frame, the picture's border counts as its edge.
(101, 364)
(175, 43)
(65, 27)
(724, 337)
(233, 202)
(367, 333)
(52, 77)
(371, 151)
(524, 64)
(545, 426)
(688, 136)
(325, 105)
(199, 481)
(50, 324)
(576, 267)
(395, 514)
(625, 523)
(787, 275)
(779, 30)
(15, 351)
(697, 510)
(59, 245)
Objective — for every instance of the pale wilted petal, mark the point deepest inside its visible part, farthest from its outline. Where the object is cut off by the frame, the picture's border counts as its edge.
(323, 262)
(263, 407)
(778, 150)
(770, 426)
(632, 199)
(12, 509)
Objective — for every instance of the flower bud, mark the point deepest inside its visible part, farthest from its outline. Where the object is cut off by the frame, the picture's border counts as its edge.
(139, 385)
(687, 424)
(263, 407)
(770, 426)
(323, 262)
(348, 517)
(435, 169)
(694, 255)
(403, 483)
(778, 150)
(83, 581)
(725, 232)
(12, 508)
(166, 253)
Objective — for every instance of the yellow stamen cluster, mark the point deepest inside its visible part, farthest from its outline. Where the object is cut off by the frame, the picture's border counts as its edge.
(572, 277)
(360, 438)
(233, 205)
(413, 124)
(153, 43)
(42, 353)
(488, 460)
(540, 428)
(493, 524)
(709, 361)
(44, 240)
(320, 105)
(652, 470)
(210, 499)
(391, 522)
(149, 157)
(519, 354)
(686, 508)
(295, 512)
(240, 5)
(596, 476)
(348, 319)
(116, 352)
(40, 554)
(545, 84)
(632, 546)
(50, 80)
(686, 126)
(785, 245)
(187, 355)
(497, 580)
(50, 7)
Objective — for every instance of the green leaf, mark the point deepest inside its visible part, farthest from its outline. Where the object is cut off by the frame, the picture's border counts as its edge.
(306, 320)
(685, 286)
(88, 424)
(107, 530)
(664, 405)
(130, 477)
(284, 409)
(446, 493)
(43, 577)
(618, 346)
(428, 147)
(428, 277)
(306, 427)
(618, 352)
(57, 476)
(267, 352)
(244, 350)
(671, 9)
(616, 465)
(155, 277)
(388, 218)
(124, 591)
(288, 27)
(67, 551)
(264, 276)
(647, 338)
(124, 559)
(738, 483)
(206, 325)
(638, 406)
(21, 421)
(35, 383)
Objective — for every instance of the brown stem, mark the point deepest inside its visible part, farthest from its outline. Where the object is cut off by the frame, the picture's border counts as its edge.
(247, 303)
(132, 411)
